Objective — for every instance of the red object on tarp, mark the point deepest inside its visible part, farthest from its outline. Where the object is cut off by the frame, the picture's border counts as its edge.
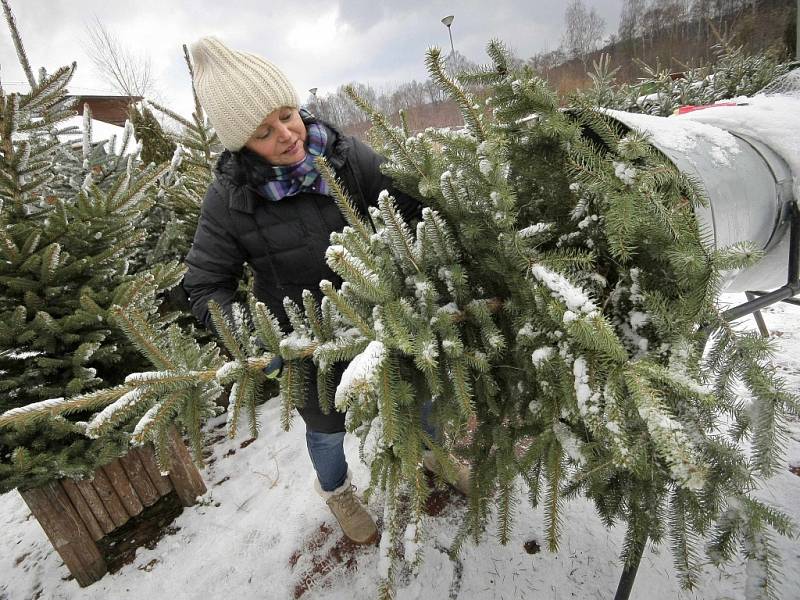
(682, 110)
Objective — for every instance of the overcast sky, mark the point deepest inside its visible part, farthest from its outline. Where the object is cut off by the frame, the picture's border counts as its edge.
(317, 43)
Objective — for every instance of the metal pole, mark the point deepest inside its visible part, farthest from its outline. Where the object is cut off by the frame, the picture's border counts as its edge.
(792, 287)
(447, 22)
(762, 325)
(794, 244)
(797, 34)
(782, 293)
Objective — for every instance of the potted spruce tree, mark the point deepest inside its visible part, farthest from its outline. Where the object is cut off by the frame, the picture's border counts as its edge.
(71, 222)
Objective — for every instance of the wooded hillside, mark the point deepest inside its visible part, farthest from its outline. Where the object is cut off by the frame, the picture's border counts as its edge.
(676, 35)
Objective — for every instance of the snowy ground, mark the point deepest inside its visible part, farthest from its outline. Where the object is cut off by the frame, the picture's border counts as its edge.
(261, 532)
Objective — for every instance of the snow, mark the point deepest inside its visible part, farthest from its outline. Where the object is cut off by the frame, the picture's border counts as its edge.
(295, 343)
(228, 369)
(674, 444)
(101, 131)
(773, 120)
(535, 229)
(638, 319)
(568, 442)
(260, 531)
(23, 355)
(126, 402)
(583, 391)
(384, 559)
(683, 135)
(451, 308)
(359, 371)
(541, 354)
(177, 158)
(36, 406)
(526, 331)
(624, 172)
(410, 544)
(576, 299)
(374, 440)
(338, 252)
(430, 351)
(145, 421)
(756, 569)
(145, 377)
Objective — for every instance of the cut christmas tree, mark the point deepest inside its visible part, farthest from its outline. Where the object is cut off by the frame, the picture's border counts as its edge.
(555, 304)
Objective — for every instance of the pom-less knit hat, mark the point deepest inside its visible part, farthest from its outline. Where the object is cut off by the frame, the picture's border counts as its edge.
(237, 89)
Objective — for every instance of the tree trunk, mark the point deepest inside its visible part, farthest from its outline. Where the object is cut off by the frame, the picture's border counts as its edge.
(629, 571)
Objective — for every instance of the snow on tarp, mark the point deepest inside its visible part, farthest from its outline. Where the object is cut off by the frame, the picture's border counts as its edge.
(773, 120)
(685, 139)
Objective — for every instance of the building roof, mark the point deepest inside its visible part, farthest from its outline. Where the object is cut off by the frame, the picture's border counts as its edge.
(109, 109)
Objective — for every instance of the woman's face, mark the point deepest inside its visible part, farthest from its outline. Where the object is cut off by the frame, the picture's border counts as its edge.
(281, 137)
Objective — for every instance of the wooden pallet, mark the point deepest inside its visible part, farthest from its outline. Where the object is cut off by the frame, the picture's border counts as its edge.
(75, 514)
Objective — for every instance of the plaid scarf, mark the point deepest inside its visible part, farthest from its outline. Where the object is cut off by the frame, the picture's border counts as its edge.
(289, 180)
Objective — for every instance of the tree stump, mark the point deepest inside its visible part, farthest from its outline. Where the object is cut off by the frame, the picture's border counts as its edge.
(75, 514)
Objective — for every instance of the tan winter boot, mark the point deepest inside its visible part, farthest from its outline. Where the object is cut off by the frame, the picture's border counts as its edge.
(463, 480)
(355, 521)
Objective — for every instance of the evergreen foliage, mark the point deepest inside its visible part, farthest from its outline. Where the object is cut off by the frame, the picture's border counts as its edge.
(195, 151)
(71, 213)
(660, 92)
(553, 303)
(157, 147)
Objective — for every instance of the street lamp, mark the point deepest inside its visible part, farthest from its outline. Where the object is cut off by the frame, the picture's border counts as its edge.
(315, 103)
(447, 21)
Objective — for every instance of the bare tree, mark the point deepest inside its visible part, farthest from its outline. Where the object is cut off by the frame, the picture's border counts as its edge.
(408, 95)
(456, 63)
(584, 30)
(127, 73)
(434, 92)
(547, 59)
(630, 21)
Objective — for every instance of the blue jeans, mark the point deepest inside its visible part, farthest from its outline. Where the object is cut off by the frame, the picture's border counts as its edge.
(327, 452)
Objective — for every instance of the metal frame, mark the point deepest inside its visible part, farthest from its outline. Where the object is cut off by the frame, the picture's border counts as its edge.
(758, 300)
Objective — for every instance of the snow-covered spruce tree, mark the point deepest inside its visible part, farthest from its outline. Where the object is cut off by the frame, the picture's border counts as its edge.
(167, 343)
(556, 298)
(559, 290)
(734, 73)
(68, 228)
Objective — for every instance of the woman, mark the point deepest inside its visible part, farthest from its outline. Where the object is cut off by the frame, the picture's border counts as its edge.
(269, 206)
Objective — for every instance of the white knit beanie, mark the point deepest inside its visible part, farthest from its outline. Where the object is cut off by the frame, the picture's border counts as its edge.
(237, 89)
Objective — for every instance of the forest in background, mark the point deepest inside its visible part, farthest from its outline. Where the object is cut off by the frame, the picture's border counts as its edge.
(673, 35)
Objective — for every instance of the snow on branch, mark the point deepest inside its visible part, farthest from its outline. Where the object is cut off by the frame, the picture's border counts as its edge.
(360, 373)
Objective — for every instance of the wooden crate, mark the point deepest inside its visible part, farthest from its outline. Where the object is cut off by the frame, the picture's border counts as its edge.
(75, 514)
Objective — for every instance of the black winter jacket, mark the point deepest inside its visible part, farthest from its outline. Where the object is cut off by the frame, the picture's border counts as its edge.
(284, 242)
